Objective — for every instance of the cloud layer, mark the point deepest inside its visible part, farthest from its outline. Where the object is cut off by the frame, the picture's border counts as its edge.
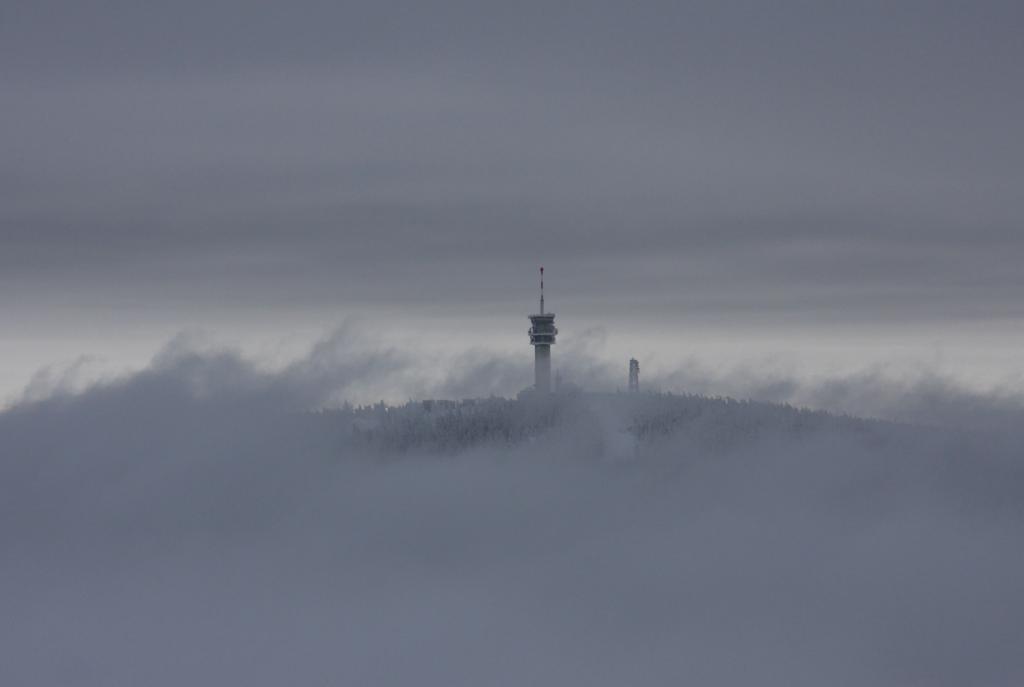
(817, 163)
(187, 524)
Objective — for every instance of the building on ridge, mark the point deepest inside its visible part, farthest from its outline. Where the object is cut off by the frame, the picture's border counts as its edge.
(542, 336)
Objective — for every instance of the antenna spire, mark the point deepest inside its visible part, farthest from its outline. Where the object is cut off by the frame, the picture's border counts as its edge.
(541, 290)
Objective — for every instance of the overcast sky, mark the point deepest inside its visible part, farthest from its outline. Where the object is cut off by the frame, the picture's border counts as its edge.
(795, 176)
(816, 202)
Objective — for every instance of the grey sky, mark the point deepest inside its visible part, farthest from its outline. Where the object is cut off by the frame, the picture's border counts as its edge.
(816, 202)
(806, 163)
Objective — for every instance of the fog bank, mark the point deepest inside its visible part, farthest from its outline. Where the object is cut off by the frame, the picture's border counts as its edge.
(191, 523)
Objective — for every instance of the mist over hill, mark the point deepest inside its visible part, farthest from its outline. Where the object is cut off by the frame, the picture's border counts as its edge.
(207, 521)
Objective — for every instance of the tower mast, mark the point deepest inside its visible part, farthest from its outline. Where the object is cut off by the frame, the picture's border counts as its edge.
(541, 290)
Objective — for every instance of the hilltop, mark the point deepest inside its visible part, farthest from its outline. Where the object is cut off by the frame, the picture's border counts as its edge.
(640, 419)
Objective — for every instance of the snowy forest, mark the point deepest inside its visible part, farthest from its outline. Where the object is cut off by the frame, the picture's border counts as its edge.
(711, 423)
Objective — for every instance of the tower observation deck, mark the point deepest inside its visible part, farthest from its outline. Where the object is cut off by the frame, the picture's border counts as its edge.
(542, 337)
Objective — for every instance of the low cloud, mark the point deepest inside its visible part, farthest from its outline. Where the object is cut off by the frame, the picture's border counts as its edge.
(190, 523)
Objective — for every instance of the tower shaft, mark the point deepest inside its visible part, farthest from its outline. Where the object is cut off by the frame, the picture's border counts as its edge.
(542, 368)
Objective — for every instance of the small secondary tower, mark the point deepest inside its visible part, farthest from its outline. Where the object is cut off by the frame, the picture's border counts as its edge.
(634, 375)
(542, 336)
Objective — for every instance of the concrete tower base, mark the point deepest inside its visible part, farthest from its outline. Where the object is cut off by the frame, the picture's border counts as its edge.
(542, 369)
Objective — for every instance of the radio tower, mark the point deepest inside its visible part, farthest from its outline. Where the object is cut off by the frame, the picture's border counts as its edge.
(542, 336)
